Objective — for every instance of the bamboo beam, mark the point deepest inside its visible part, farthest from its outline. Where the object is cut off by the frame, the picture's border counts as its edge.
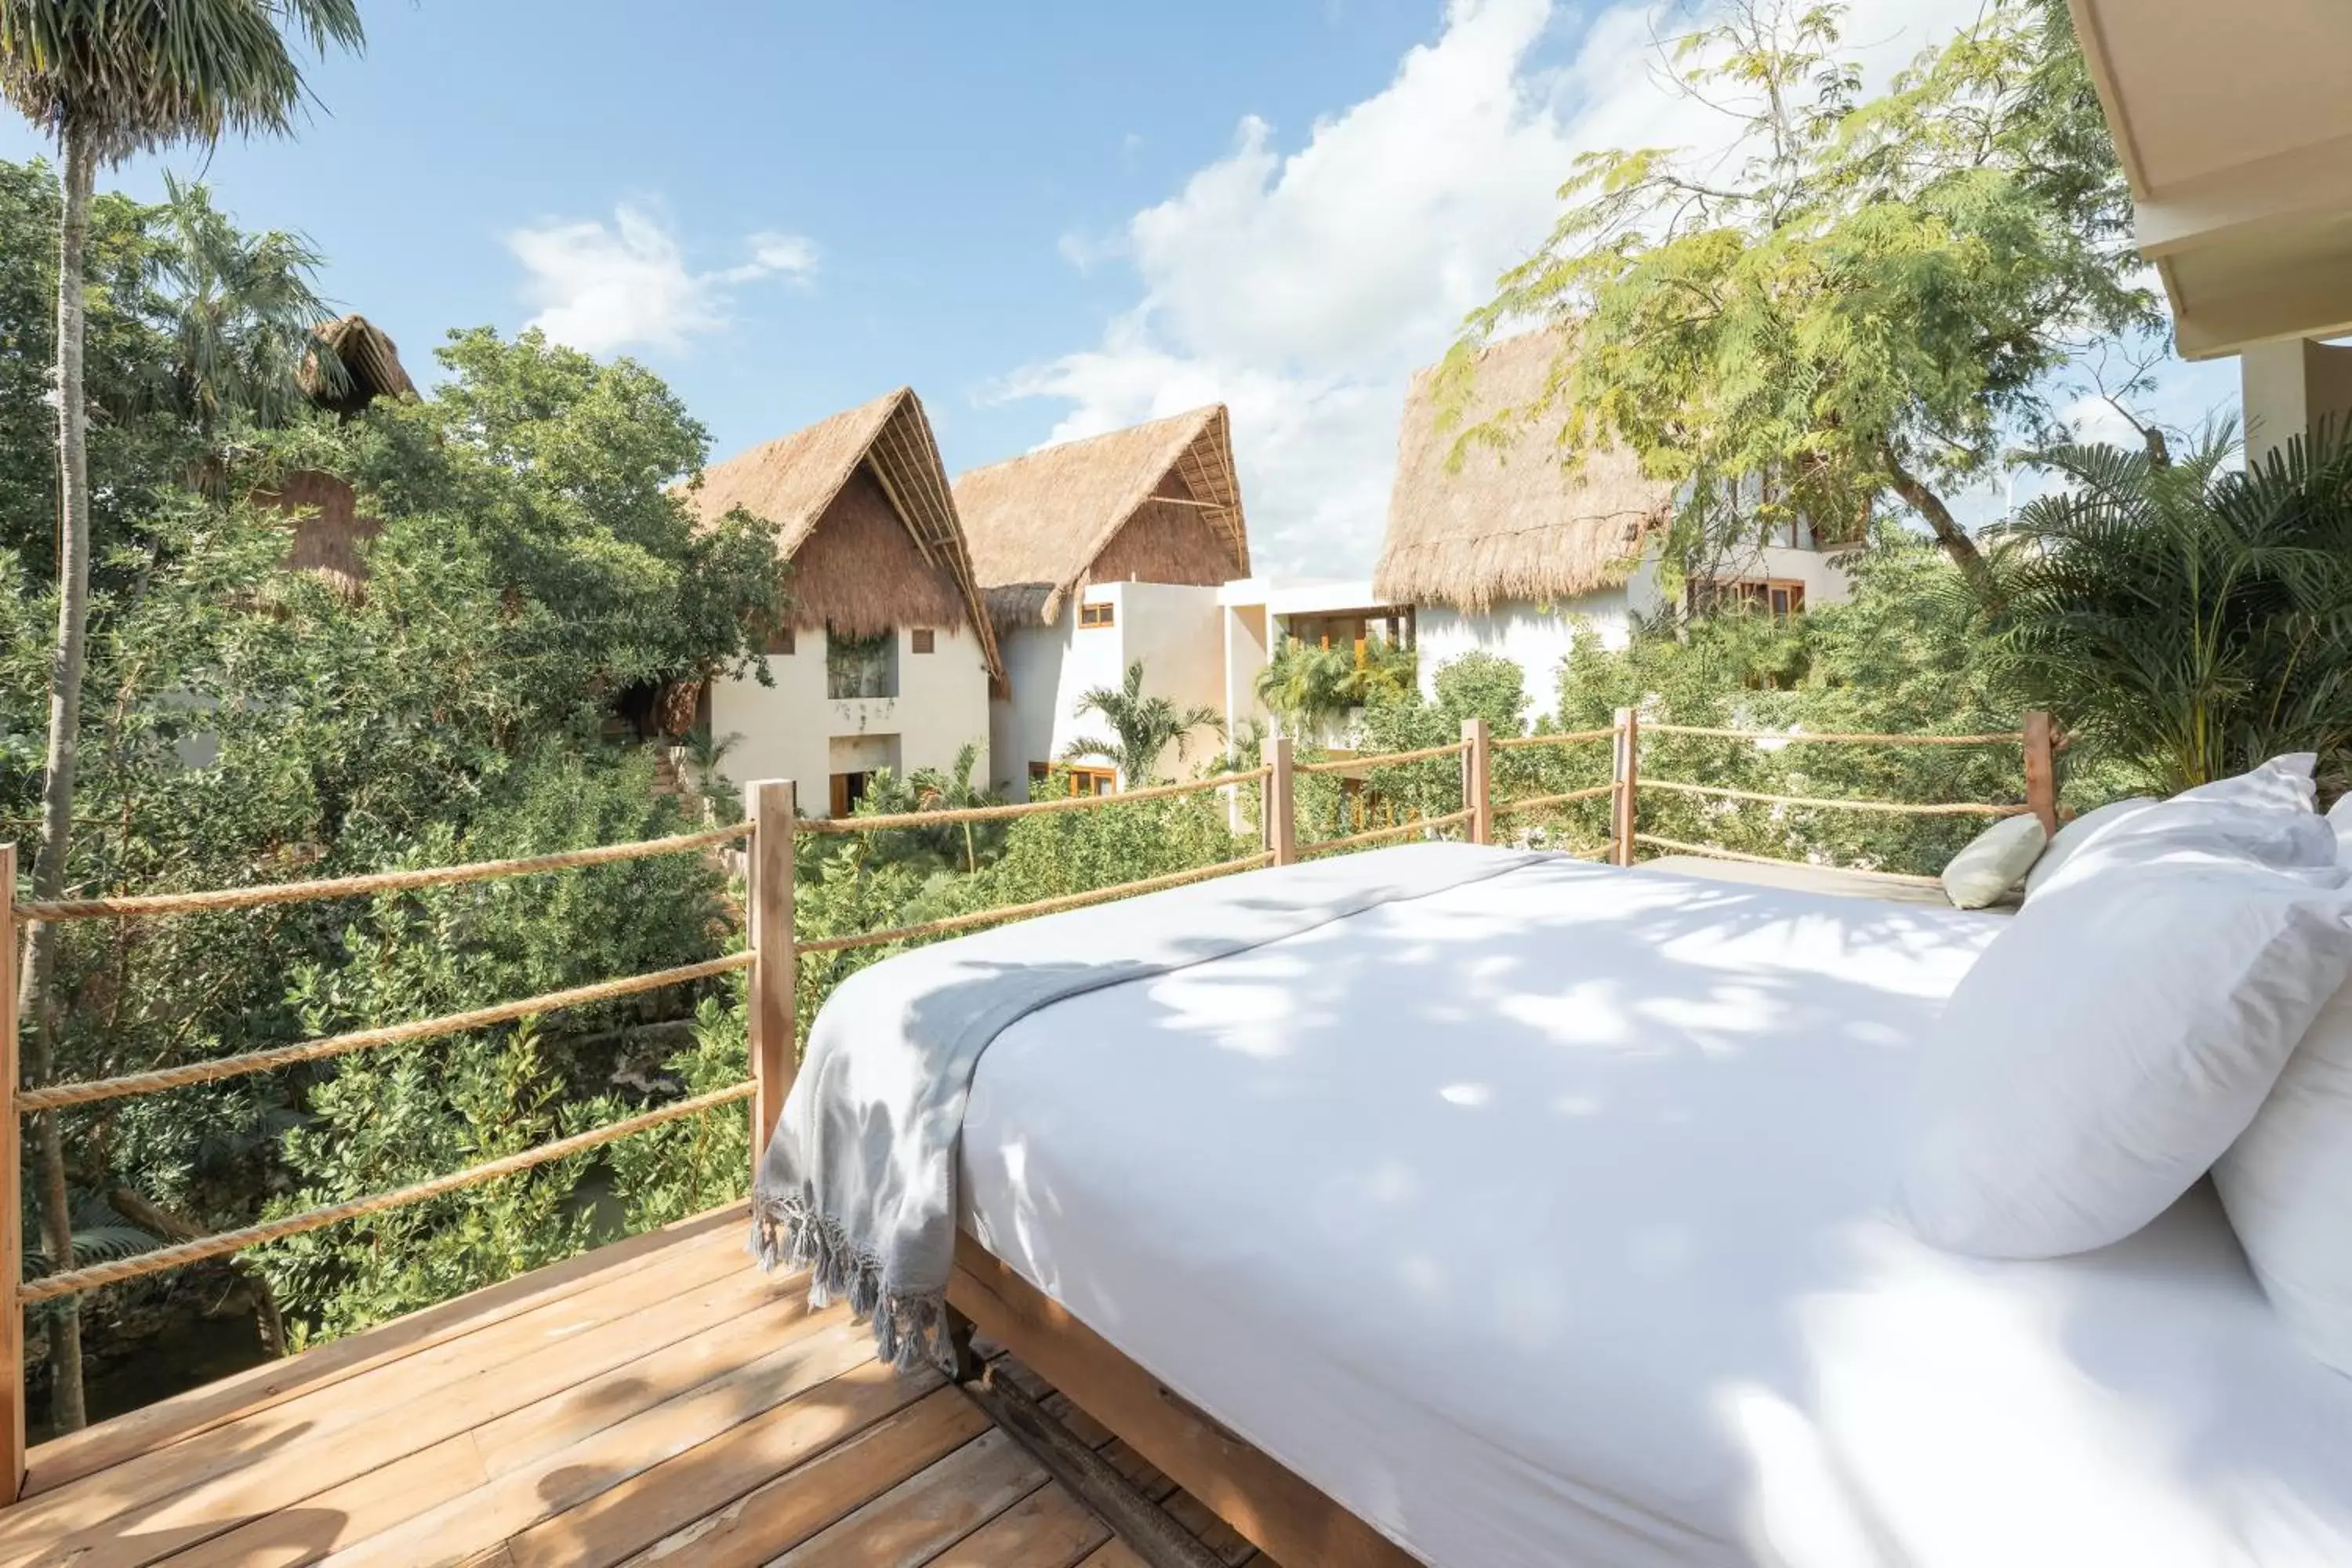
(1627, 779)
(12, 1234)
(1478, 781)
(2041, 770)
(1281, 810)
(773, 1002)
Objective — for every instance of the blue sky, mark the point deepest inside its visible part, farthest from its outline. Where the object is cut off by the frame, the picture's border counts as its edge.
(1049, 218)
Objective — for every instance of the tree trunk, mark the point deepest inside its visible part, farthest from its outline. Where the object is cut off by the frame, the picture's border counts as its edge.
(1930, 506)
(67, 1410)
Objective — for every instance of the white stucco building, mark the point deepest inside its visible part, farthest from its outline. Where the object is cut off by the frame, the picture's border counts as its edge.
(1506, 553)
(889, 658)
(1095, 555)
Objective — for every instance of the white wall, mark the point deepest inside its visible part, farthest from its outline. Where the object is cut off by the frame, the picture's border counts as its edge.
(1173, 629)
(1537, 638)
(788, 728)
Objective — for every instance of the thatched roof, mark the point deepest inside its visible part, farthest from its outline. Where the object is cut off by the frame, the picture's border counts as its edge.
(859, 579)
(330, 535)
(1509, 521)
(371, 367)
(1157, 502)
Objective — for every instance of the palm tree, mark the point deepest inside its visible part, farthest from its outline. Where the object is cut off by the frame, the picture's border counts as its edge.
(1142, 728)
(2181, 617)
(245, 320)
(951, 789)
(104, 80)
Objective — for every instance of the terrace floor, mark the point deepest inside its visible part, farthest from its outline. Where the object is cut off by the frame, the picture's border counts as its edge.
(656, 1401)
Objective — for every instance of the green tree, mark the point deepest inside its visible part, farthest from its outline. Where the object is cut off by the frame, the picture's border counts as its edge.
(2182, 616)
(105, 80)
(1863, 298)
(1141, 728)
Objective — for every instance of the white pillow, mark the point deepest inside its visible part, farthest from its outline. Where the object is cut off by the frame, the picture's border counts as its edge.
(2110, 1045)
(1994, 862)
(2265, 816)
(2072, 836)
(2287, 1186)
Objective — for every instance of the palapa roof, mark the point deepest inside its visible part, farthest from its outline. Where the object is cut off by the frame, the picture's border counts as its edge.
(1041, 524)
(371, 363)
(1509, 520)
(794, 480)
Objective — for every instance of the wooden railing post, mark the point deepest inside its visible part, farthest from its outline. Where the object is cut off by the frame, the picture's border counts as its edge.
(1627, 777)
(775, 973)
(1478, 781)
(12, 1239)
(1281, 811)
(2041, 769)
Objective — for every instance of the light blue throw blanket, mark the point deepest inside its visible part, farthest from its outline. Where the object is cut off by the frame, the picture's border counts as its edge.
(858, 1184)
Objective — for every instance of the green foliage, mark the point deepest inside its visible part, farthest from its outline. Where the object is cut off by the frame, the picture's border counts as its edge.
(1312, 688)
(1142, 728)
(2184, 618)
(685, 1167)
(1869, 296)
(241, 724)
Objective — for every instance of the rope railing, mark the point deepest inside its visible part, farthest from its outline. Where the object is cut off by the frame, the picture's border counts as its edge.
(372, 883)
(56, 1097)
(838, 824)
(1356, 840)
(1383, 758)
(1544, 802)
(1801, 737)
(1680, 847)
(1513, 743)
(1042, 907)
(75, 1281)
(1716, 792)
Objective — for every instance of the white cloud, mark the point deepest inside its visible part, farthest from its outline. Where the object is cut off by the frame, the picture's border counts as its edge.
(602, 287)
(1303, 288)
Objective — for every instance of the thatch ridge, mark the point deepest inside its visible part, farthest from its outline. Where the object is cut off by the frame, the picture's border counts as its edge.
(371, 361)
(794, 479)
(1510, 522)
(1041, 523)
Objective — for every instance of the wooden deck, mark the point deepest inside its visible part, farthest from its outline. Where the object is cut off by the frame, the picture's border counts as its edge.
(657, 1401)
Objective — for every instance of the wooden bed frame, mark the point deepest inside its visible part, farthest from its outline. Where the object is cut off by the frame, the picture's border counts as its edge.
(1283, 1516)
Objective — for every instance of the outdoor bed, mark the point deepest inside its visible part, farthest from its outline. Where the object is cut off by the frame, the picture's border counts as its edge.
(1540, 1214)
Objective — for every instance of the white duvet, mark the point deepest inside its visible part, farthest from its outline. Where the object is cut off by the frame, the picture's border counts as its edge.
(1542, 1222)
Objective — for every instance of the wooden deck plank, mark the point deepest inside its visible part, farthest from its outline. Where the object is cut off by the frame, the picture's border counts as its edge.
(1047, 1529)
(627, 1419)
(678, 1408)
(198, 1489)
(94, 1448)
(794, 1507)
(924, 1515)
(800, 1386)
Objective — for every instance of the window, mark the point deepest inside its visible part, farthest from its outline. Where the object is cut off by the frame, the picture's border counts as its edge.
(921, 639)
(1095, 615)
(861, 667)
(1777, 598)
(1082, 780)
(848, 789)
(780, 640)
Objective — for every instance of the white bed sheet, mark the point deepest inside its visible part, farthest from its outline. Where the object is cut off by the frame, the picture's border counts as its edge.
(1542, 1222)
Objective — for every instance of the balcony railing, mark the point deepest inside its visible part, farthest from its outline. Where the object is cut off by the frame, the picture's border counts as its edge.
(772, 950)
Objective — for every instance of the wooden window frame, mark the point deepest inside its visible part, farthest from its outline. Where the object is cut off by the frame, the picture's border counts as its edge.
(921, 640)
(1094, 617)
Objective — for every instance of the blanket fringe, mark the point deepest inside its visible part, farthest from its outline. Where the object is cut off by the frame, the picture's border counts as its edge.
(911, 1331)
